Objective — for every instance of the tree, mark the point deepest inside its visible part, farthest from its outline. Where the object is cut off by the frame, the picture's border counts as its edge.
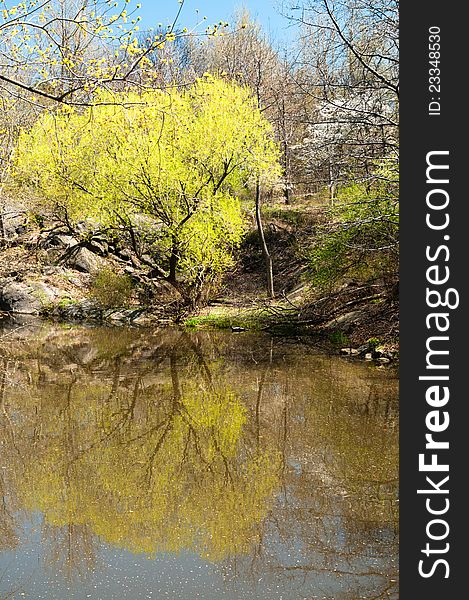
(348, 70)
(62, 50)
(361, 237)
(348, 67)
(245, 55)
(165, 165)
(14, 115)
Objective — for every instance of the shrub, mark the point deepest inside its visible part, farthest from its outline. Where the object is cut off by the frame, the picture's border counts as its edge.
(360, 238)
(111, 289)
(339, 339)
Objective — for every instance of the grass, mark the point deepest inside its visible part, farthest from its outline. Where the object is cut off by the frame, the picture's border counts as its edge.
(66, 301)
(294, 214)
(226, 317)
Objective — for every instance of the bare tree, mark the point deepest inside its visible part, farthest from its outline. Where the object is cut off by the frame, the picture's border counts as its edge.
(348, 66)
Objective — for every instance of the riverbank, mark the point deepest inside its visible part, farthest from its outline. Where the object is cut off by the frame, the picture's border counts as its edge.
(86, 276)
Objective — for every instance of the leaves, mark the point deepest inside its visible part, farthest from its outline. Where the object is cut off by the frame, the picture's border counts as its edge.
(362, 234)
(180, 158)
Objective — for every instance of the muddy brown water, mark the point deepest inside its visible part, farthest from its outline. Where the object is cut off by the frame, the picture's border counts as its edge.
(162, 464)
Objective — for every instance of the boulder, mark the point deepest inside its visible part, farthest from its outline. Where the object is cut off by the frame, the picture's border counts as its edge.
(65, 241)
(86, 261)
(99, 246)
(82, 310)
(143, 319)
(363, 349)
(122, 315)
(13, 219)
(18, 297)
(27, 297)
(49, 270)
(384, 353)
(124, 254)
(57, 240)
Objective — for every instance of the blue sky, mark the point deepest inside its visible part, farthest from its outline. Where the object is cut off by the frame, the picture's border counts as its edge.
(264, 11)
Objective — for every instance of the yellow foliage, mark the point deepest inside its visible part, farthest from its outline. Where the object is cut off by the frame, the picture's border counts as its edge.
(179, 157)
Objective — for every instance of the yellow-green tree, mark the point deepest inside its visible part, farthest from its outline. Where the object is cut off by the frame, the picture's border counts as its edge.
(169, 163)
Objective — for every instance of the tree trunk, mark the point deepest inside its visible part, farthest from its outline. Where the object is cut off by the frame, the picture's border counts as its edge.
(173, 261)
(3, 235)
(265, 250)
(332, 184)
(286, 193)
(286, 158)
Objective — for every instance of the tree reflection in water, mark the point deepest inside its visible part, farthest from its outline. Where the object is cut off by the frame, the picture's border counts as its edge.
(263, 457)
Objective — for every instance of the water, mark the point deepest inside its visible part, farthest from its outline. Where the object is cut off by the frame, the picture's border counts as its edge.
(171, 465)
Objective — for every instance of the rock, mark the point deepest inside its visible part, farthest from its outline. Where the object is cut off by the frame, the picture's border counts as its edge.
(154, 273)
(44, 292)
(136, 263)
(18, 297)
(14, 219)
(31, 240)
(65, 241)
(368, 356)
(122, 315)
(383, 352)
(82, 310)
(29, 298)
(143, 320)
(363, 349)
(33, 297)
(119, 316)
(378, 351)
(84, 260)
(349, 351)
(124, 254)
(58, 240)
(53, 270)
(99, 246)
(383, 360)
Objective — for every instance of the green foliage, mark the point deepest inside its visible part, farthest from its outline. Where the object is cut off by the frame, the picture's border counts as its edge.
(361, 236)
(339, 339)
(252, 319)
(178, 157)
(66, 302)
(373, 342)
(111, 289)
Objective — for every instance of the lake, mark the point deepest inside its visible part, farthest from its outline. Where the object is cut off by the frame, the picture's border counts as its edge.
(168, 464)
